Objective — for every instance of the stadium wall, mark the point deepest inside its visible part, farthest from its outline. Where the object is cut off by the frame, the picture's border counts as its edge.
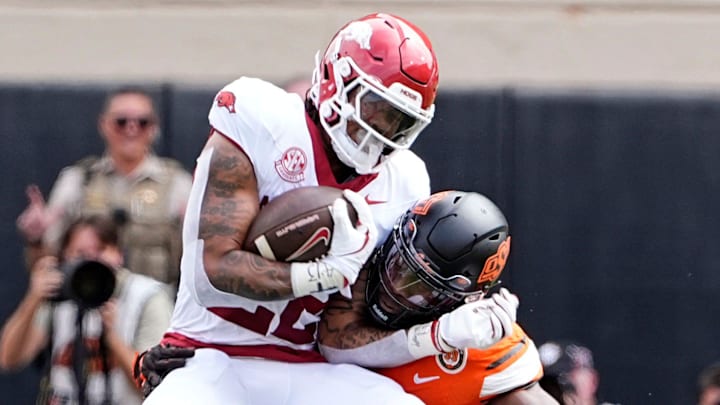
(480, 43)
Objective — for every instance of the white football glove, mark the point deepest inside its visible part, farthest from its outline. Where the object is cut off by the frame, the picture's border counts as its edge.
(349, 249)
(351, 246)
(479, 324)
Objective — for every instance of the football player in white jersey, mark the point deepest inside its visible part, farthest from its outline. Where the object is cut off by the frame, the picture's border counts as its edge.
(254, 320)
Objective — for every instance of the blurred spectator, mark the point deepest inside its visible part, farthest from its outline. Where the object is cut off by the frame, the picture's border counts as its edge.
(709, 385)
(131, 317)
(143, 192)
(570, 374)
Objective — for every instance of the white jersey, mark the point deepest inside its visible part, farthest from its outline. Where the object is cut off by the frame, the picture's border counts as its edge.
(271, 127)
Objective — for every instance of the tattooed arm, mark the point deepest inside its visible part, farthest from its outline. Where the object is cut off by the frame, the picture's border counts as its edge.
(230, 204)
(346, 324)
(347, 334)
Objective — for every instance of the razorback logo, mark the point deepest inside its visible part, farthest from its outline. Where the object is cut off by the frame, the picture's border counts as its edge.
(423, 206)
(226, 99)
(495, 264)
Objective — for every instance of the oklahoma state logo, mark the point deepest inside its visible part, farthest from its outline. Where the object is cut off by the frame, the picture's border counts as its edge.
(423, 206)
(226, 99)
(495, 264)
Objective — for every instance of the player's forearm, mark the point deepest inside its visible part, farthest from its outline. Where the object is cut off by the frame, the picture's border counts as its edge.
(345, 324)
(350, 334)
(346, 335)
(389, 351)
(251, 276)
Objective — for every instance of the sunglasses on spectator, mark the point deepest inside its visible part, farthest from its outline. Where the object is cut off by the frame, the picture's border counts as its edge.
(142, 122)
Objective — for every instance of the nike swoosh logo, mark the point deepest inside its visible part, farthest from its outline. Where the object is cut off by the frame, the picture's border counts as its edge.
(322, 235)
(373, 202)
(422, 380)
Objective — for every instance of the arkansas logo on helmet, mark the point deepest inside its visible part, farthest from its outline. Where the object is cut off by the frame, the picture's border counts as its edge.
(226, 99)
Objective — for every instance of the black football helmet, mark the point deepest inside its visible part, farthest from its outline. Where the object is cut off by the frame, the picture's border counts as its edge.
(446, 248)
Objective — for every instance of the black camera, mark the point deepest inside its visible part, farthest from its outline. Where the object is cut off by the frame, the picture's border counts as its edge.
(87, 282)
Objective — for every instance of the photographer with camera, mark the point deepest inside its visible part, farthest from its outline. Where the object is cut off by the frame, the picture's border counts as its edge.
(85, 288)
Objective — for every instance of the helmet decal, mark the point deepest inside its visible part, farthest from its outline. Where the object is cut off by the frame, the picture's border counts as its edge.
(422, 207)
(495, 263)
(358, 31)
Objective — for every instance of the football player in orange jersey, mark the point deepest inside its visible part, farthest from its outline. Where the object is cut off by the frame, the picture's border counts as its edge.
(447, 250)
(443, 254)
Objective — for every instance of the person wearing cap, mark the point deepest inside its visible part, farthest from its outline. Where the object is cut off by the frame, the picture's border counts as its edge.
(570, 374)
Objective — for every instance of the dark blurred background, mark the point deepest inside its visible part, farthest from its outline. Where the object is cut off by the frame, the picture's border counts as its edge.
(611, 197)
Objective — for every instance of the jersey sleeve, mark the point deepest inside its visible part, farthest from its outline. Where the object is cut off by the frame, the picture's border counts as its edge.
(246, 111)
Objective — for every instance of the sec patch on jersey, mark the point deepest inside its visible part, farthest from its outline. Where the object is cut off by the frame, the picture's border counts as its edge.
(296, 226)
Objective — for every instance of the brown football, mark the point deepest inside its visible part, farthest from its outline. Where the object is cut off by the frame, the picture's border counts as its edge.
(296, 226)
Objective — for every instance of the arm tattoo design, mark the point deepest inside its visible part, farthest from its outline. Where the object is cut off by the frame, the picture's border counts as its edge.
(229, 205)
(346, 324)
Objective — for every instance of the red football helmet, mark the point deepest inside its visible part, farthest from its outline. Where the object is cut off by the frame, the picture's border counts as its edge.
(375, 89)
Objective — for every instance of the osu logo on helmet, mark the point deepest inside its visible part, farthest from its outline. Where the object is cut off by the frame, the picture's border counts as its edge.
(226, 99)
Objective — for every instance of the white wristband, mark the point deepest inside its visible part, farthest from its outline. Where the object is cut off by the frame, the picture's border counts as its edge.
(423, 340)
(313, 277)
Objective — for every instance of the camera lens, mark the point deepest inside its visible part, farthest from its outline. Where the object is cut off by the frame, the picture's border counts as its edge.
(90, 283)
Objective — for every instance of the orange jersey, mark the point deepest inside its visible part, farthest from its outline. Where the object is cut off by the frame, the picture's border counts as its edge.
(471, 376)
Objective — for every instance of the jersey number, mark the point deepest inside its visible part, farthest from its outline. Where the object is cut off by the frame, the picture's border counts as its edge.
(260, 320)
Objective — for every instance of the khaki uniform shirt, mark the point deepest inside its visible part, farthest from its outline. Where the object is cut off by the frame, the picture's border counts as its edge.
(152, 198)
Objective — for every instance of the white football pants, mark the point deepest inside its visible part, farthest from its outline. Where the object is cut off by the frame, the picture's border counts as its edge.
(213, 378)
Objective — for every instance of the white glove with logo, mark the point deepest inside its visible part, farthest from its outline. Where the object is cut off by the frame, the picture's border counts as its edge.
(349, 249)
(479, 324)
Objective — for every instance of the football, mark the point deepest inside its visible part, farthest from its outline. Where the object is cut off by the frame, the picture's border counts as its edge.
(296, 226)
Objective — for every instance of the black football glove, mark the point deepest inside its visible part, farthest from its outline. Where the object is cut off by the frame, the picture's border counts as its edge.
(152, 365)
